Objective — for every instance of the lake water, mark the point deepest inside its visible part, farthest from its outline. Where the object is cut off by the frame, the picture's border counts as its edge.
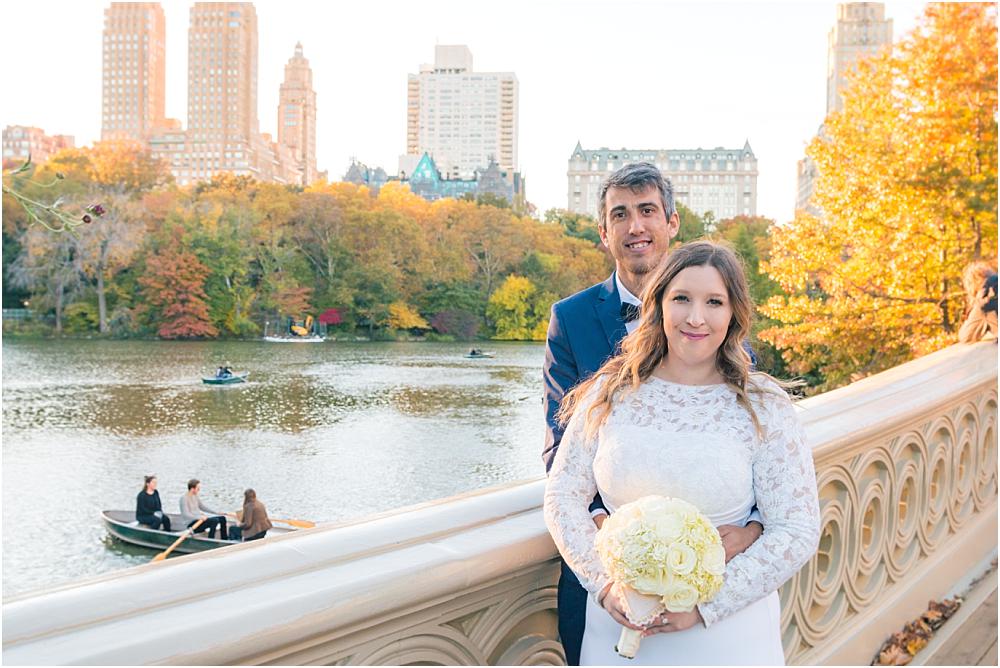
(323, 432)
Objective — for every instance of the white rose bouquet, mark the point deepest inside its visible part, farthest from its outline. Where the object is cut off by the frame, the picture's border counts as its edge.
(665, 554)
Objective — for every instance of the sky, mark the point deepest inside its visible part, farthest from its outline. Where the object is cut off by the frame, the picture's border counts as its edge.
(625, 74)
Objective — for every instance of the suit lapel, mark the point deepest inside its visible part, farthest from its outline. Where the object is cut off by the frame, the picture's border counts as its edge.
(608, 309)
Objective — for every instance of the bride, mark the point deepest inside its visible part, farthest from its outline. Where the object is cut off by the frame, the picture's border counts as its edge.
(678, 413)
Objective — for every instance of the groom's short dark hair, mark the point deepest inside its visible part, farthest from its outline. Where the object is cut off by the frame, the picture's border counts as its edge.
(637, 176)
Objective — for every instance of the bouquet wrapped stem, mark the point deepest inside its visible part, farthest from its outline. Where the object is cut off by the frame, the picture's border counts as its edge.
(641, 609)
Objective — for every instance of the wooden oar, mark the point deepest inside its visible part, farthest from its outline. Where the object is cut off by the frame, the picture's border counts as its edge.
(302, 524)
(190, 531)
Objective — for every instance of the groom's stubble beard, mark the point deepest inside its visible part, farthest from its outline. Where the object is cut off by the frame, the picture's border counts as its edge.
(644, 271)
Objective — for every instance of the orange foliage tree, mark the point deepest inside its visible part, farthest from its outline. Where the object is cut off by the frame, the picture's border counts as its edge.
(173, 291)
(908, 190)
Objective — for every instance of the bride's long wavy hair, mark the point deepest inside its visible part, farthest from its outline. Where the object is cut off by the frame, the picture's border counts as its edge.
(644, 349)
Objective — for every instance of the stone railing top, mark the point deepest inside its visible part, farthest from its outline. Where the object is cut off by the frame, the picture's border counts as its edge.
(880, 402)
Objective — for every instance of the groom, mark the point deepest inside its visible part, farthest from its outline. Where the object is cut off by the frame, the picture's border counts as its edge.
(637, 219)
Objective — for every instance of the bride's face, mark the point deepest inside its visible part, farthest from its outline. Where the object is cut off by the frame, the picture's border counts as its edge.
(696, 315)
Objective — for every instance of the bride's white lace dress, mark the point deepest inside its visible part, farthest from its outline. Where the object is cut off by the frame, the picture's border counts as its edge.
(694, 442)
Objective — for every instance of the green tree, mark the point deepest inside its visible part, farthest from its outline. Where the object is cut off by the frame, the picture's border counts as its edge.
(692, 225)
(578, 225)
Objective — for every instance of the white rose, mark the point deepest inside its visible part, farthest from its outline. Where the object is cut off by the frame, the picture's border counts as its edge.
(656, 583)
(628, 512)
(680, 597)
(681, 559)
(714, 560)
(668, 526)
(655, 504)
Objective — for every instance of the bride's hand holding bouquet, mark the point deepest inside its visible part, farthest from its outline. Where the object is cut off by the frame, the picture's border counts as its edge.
(661, 554)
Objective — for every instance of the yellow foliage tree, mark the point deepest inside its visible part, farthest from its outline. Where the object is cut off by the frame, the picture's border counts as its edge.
(519, 311)
(908, 191)
(404, 316)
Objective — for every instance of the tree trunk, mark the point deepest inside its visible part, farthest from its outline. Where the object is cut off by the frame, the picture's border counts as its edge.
(59, 304)
(102, 305)
(978, 248)
(945, 317)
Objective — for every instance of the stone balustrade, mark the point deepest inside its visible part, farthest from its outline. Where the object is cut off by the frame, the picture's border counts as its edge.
(906, 464)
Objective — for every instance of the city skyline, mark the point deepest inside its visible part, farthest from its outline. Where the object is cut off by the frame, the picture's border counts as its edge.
(758, 76)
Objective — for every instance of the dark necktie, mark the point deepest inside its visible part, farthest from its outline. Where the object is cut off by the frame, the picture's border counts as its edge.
(630, 312)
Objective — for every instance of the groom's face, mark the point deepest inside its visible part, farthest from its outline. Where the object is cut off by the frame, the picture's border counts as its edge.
(637, 231)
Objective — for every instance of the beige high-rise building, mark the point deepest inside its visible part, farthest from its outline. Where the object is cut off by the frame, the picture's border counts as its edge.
(222, 128)
(134, 70)
(720, 180)
(297, 114)
(861, 30)
(460, 117)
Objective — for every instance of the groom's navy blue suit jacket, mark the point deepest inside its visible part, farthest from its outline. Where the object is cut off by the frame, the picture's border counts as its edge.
(584, 331)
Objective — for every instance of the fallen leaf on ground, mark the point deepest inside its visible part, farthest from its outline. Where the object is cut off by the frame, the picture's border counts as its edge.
(894, 656)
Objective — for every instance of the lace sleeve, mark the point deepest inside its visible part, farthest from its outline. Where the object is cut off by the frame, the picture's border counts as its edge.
(784, 483)
(568, 493)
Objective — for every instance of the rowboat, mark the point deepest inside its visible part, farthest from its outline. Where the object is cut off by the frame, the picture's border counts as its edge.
(228, 380)
(122, 525)
(486, 354)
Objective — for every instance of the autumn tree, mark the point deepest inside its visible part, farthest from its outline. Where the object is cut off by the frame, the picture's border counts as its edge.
(908, 190)
(49, 268)
(456, 323)
(403, 316)
(518, 311)
(750, 237)
(109, 246)
(116, 175)
(316, 229)
(173, 293)
(220, 224)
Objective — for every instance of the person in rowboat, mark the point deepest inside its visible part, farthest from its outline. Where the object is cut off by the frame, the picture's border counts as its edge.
(192, 510)
(254, 523)
(148, 509)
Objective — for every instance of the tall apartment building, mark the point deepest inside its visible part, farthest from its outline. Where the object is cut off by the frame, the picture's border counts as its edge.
(720, 180)
(297, 114)
(20, 141)
(133, 100)
(462, 118)
(222, 128)
(861, 31)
